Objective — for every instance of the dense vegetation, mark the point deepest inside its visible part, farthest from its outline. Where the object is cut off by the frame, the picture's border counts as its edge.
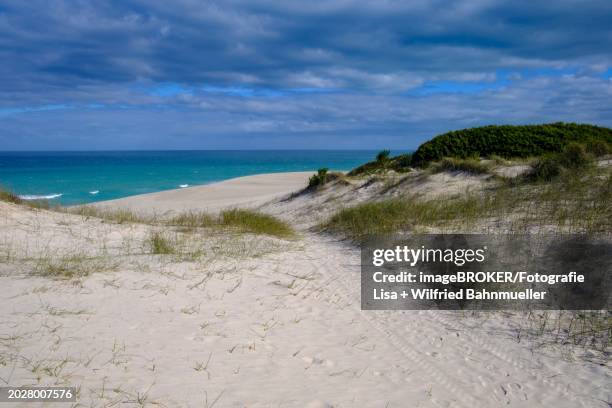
(511, 141)
(499, 142)
(384, 162)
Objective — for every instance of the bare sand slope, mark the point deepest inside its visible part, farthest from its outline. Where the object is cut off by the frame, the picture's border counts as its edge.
(245, 191)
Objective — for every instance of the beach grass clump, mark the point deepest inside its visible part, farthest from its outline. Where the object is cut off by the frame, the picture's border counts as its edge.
(574, 158)
(577, 201)
(192, 220)
(256, 223)
(70, 267)
(160, 245)
(10, 197)
(397, 214)
(319, 179)
(119, 216)
(472, 165)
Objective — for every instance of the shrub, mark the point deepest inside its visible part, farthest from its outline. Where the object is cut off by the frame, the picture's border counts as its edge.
(383, 161)
(509, 141)
(546, 169)
(574, 157)
(598, 148)
(383, 156)
(319, 179)
(401, 162)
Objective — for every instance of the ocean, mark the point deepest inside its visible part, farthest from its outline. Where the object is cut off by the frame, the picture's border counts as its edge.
(68, 178)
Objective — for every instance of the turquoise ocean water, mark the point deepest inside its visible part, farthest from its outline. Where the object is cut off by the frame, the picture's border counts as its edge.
(82, 177)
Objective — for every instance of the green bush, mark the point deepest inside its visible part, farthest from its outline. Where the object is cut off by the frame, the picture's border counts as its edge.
(598, 148)
(509, 141)
(401, 162)
(319, 179)
(546, 169)
(383, 161)
(383, 156)
(574, 157)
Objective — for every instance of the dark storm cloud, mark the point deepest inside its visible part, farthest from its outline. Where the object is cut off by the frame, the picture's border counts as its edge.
(383, 68)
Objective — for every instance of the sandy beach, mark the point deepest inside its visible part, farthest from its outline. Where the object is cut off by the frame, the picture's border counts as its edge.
(248, 191)
(243, 320)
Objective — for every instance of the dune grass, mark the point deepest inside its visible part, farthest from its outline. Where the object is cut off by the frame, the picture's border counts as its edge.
(70, 267)
(590, 329)
(236, 219)
(119, 216)
(577, 201)
(192, 219)
(256, 223)
(10, 197)
(160, 245)
(473, 165)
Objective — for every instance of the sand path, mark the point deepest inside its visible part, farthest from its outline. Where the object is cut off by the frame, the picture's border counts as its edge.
(259, 323)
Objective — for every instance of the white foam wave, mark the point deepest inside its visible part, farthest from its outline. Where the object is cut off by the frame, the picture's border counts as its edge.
(94, 192)
(184, 185)
(39, 197)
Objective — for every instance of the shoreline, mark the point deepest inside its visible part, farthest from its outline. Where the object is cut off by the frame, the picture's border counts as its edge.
(245, 191)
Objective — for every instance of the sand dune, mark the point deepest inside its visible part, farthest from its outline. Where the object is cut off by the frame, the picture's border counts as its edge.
(237, 320)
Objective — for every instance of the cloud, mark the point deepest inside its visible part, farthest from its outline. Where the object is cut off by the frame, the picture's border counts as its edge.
(212, 73)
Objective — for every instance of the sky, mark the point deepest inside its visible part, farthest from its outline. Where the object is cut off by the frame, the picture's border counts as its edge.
(269, 74)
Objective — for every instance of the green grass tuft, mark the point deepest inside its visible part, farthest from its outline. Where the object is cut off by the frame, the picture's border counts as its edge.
(319, 179)
(257, 223)
(160, 245)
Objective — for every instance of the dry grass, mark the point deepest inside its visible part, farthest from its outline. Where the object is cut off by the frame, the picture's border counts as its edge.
(71, 267)
(473, 166)
(10, 197)
(119, 216)
(591, 329)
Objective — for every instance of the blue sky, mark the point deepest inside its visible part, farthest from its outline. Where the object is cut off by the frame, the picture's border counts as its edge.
(258, 74)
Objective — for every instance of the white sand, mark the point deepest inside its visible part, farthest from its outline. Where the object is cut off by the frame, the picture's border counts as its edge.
(250, 321)
(243, 192)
